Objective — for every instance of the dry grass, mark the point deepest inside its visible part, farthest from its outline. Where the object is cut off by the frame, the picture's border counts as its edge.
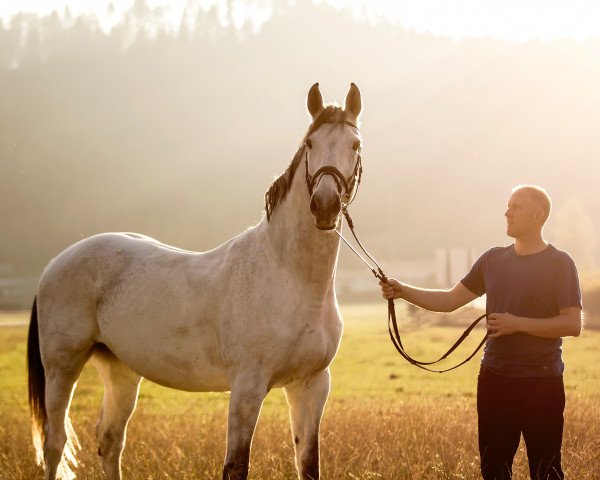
(427, 440)
(384, 420)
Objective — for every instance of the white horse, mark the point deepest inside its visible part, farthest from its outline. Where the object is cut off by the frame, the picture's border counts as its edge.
(255, 313)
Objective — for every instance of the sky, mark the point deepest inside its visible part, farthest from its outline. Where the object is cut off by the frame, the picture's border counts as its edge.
(513, 20)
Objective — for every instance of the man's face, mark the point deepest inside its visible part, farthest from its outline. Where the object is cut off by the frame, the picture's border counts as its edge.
(523, 215)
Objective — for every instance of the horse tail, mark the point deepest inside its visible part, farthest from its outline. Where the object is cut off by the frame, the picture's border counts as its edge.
(37, 385)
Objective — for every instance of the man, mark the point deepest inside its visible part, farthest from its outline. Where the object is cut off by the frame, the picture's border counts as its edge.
(533, 299)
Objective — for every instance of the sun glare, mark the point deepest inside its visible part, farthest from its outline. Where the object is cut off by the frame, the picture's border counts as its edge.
(503, 19)
(514, 20)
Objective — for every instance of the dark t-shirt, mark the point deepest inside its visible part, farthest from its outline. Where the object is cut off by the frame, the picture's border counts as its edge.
(535, 286)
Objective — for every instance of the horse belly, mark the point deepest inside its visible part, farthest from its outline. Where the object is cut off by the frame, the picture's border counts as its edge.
(184, 357)
(189, 375)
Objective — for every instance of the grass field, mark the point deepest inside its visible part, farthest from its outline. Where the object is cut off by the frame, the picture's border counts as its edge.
(384, 420)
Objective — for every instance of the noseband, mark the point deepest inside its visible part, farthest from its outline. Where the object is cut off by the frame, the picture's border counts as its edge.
(347, 184)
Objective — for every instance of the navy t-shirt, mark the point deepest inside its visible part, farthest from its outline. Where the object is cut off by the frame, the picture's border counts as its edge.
(535, 286)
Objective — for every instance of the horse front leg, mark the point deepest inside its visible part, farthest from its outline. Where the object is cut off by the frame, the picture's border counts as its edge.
(248, 391)
(306, 400)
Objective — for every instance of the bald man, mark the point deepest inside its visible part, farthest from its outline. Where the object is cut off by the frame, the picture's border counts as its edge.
(533, 300)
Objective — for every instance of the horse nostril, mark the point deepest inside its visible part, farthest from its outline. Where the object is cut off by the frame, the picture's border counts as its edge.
(337, 205)
(313, 206)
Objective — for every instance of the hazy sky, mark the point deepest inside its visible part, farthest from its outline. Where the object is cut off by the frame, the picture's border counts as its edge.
(501, 19)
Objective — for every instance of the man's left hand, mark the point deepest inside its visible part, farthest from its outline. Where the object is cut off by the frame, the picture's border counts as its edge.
(499, 324)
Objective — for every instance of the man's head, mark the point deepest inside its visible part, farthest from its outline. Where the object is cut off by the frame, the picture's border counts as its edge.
(528, 209)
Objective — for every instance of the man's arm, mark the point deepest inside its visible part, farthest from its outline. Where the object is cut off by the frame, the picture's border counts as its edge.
(434, 300)
(567, 324)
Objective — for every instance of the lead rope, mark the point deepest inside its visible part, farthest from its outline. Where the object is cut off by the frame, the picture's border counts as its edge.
(392, 323)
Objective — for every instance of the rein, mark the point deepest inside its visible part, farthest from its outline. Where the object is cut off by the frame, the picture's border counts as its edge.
(392, 322)
(348, 186)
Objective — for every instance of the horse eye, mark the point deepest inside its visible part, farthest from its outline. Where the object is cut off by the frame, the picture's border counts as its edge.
(308, 143)
(356, 147)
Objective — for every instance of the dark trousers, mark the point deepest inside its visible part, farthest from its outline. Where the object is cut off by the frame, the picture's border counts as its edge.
(506, 408)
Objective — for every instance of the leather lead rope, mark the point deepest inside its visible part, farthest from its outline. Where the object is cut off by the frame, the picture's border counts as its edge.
(392, 322)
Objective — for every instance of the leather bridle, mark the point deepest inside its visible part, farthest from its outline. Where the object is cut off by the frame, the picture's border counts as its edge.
(345, 186)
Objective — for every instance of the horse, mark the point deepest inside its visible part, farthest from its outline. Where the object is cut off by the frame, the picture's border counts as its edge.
(256, 313)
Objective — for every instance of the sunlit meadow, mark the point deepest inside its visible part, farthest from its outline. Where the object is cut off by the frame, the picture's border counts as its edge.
(170, 118)
(384, 419)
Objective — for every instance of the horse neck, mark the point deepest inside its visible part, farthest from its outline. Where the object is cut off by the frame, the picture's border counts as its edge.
(299, 246)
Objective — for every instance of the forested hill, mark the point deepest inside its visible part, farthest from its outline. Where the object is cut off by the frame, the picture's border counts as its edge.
(178, 136)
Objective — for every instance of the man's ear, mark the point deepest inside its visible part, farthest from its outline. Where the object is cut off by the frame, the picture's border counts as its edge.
(539, 214)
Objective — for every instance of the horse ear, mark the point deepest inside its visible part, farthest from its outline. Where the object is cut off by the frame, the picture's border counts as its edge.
(314, 101)
(353, 103)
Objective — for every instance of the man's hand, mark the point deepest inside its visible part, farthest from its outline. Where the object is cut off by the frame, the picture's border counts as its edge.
(391, 289)
(499, 324)
(567, 323)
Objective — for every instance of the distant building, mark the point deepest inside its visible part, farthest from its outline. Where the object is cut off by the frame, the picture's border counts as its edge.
(444, 269)
(360, 284)
(452, 264)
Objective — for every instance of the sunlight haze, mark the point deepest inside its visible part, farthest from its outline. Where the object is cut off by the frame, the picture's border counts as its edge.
(173, 118)
(515, 20)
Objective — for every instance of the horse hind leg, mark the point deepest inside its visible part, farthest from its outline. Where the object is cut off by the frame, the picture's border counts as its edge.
(60, 441)
(121, 387)
(54, 362)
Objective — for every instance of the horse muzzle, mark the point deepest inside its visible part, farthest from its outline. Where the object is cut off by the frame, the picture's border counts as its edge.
(326, 209)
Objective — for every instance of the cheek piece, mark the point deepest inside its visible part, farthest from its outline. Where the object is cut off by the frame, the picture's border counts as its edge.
(345, 186)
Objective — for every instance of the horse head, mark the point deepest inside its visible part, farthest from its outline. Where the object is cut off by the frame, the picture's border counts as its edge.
(332, 155)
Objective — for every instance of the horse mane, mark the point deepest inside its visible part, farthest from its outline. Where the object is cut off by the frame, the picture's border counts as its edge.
(282, 184)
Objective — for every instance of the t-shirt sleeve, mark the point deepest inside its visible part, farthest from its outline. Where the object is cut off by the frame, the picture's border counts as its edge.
(474, 279)
(566, 284)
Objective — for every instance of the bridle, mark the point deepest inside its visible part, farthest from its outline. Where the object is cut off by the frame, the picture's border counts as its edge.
(345, 185)
(348, 185)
